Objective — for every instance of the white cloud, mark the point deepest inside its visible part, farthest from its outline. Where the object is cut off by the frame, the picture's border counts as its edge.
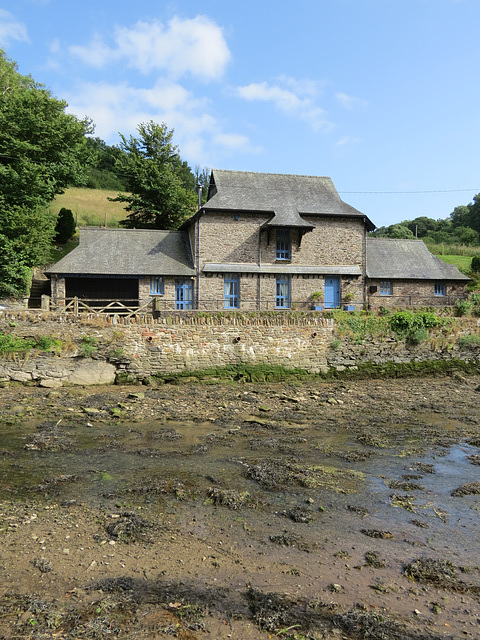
(350, 102)
(121, 108)
(347, 141)
(192, 46)
(298, 103)
(11, 29)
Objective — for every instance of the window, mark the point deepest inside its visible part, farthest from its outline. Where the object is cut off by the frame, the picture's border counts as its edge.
(385, 288)
(156, 286)
(282, 292)
(183, 294)
(283, 244)
(231, 290)
(440, 288)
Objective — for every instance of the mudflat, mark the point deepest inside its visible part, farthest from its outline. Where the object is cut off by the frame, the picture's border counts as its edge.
(290, 510)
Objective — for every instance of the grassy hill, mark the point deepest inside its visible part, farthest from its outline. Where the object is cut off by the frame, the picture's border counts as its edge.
(91, 207)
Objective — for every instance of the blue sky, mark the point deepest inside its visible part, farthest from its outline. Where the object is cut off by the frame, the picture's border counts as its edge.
(380, 95)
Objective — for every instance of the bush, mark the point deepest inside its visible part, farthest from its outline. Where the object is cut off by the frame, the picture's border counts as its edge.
(469, 340)
(88, 346)
(13, 344)
(476, 264)
(65, 227)
(462, 307)
(405, 323)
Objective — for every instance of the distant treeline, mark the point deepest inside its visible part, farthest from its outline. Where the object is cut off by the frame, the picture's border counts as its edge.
(462, 227)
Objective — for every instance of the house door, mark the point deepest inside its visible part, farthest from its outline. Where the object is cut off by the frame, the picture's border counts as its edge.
(183, 294)
(332, 292)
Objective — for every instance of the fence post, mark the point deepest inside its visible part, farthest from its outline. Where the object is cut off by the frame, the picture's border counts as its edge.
(45, 304)
(75, 306)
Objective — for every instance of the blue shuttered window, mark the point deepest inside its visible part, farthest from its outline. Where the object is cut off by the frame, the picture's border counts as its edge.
(440, 288)
(156, 286)
(231, 291)
(385, 288)
(283, 244)
(282, 292)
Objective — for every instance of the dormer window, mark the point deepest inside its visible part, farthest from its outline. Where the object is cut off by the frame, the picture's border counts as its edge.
(283, 244)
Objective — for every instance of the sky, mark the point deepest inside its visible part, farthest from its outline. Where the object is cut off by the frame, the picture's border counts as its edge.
(380, 95)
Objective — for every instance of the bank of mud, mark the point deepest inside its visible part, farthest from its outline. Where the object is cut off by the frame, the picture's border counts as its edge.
(293, 510)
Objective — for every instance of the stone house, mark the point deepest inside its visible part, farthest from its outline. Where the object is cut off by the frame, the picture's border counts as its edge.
(260, 242)
(405, 273)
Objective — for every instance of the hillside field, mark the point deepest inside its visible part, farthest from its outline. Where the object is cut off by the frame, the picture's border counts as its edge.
(91, 207)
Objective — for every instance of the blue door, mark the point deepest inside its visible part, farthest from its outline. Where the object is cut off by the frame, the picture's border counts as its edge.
(332, 292)
(183, 294)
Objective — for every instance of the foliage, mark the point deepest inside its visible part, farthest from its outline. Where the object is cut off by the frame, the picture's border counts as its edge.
(155, 176)
(65, 226)
(462, 307)
(88, 346)
(469, 340)
(462, 227)
(475, 264)
(15, 344)
(42, 149)
(357, 326)
(394, 231)
(412, 325)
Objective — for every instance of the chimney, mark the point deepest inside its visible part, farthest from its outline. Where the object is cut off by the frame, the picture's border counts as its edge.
(199, 196)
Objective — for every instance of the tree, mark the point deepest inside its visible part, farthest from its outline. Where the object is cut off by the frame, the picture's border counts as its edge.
(42, 150)
(65, 226)
(394, 231)
(156, 177)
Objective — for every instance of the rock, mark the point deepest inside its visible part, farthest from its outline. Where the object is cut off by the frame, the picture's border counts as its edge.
(93, 372)
(20, 376)
(50, 383)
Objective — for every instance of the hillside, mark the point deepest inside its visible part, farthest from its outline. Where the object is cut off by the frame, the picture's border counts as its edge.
(91, 207)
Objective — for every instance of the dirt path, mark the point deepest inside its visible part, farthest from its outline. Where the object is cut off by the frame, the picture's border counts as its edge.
(241, 511)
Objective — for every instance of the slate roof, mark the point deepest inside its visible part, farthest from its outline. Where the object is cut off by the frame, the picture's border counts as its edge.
(391, 259)
(287, 197)
(127, 252)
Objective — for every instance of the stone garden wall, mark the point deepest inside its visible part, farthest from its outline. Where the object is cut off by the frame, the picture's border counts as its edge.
(144, 346)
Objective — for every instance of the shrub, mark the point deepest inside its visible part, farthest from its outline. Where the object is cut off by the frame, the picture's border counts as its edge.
(14, 344)
(88, 346)
(476, 264)
(418, 336)
(65, 227)
(406, 323)
(462, 307)
(469, 340)
(45, 343)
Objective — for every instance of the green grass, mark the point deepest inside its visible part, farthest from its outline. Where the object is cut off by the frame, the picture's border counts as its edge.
(464, 263)
(59, 251)
(91, 207)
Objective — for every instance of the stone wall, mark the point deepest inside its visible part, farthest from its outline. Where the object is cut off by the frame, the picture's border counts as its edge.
(144, 346)
(406, 293)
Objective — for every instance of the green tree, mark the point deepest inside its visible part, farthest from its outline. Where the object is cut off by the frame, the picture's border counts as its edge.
(102, 173)
(160, 197)
(65, 226)
(42, 150)
(394, 231)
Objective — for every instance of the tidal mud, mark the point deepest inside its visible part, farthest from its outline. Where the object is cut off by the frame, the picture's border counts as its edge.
(288, 510)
